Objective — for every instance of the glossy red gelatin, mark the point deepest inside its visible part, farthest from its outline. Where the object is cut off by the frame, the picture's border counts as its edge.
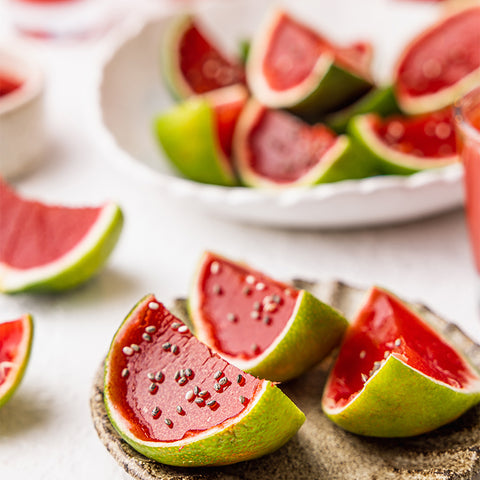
(295, 49)
(166, 384)
(431, 135)
(244, 309)
(202, 64)
(283, 148)
(8, 84)
(34, 234)
(384, 326)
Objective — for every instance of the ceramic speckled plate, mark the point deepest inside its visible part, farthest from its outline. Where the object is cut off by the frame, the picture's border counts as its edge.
(131, 92)
(321, 450)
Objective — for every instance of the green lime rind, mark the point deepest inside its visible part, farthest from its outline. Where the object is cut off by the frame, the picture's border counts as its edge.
(351, 164)
(188, 136)
(78, 269)
(315, 331)
(336, 88)
(380, 100)
(268, 423)
(169, 62)
(18, 371)
(399, 401)
(244, 50)
(389, 161)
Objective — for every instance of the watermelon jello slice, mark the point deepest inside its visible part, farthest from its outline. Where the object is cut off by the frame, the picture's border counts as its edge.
(441, 64)
(404, 145)
(274, 149)
(290, 65)
(52, 247)
(192, 61)
(395, 376)
(174, 400)
(15, 347)
(265, 327)
(196, 134)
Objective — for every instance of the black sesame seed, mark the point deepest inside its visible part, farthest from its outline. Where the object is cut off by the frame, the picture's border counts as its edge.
(203, 393)
(175, 325)
(217, 387)
(223, 381)
(182, 380)
(179, 409)
(159, 376)
(239, 379)
(218, 374)
(211, 403)
(168, 422)
(156, 412)
(242, 399)
(188, 372)
(153, 387)
(166, 346)
(175, 349)
(147, 337)
(196, 390)
(177, 375)
(125, 372)
(247, 290)
(151, 376)
(199, 400)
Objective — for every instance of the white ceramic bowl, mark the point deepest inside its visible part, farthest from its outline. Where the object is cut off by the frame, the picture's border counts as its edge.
(22, 126)
(131, 92)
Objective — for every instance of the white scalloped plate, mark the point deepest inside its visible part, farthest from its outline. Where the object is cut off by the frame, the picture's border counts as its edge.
(131, 92)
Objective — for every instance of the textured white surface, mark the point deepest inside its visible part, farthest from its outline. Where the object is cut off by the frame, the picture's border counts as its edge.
(45, 429)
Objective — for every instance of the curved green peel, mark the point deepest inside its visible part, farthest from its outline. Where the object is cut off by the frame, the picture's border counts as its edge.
(80, 268)
(352, 164)
(337, 87)
(188, 136)
(388, 160)
(399, 401)
(15, 375)
(268, 425)
(380, 100)
(169, 66)
(315, 331)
